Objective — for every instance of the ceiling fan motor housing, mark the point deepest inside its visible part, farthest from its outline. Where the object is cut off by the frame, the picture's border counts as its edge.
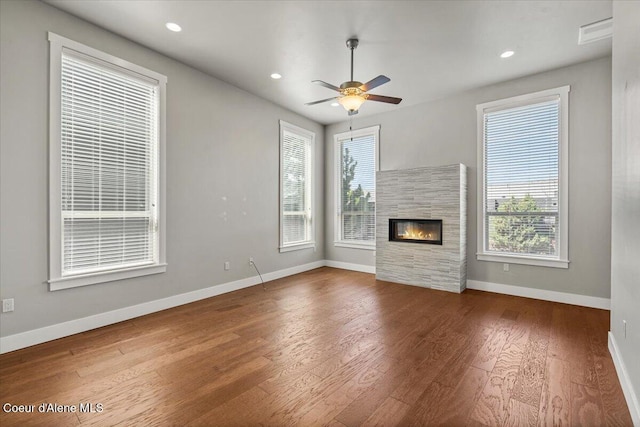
(347, 85)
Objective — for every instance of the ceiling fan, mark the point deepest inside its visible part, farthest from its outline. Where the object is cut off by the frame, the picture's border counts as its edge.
(354, 93)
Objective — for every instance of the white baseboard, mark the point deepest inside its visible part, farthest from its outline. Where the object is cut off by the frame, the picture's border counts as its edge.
(520, 291)
(349, 266)
(48, 333)
(625, 382)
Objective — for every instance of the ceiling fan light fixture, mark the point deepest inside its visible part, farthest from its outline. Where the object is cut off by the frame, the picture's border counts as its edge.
(351, 102)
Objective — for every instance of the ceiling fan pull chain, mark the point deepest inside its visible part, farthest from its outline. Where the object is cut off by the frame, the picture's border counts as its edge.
(350, 125)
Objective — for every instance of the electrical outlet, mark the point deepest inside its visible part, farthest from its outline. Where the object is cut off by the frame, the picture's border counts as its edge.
(624, 328)
(7, 305)
(505, 267)
(250, 260)
(227, 265)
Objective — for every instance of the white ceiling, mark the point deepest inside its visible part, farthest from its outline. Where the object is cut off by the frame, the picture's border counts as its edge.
(429, 49)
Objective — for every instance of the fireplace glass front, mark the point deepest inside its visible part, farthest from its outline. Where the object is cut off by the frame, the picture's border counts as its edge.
(416, 230)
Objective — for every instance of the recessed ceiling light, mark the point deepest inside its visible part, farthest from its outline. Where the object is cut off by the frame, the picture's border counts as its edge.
(335, 104)
(276, 76)
(172, 26)
(506, 54)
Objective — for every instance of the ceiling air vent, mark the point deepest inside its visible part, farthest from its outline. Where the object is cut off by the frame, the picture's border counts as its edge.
(595, 31)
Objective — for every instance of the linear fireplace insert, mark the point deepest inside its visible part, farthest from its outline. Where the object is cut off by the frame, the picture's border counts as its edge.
(416, 230)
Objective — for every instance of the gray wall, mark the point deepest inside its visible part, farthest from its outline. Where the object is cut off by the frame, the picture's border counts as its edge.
(221, 142)
(625, 221)
(444, 132)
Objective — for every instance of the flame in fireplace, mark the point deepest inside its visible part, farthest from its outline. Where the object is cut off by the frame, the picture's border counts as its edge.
(414, 233)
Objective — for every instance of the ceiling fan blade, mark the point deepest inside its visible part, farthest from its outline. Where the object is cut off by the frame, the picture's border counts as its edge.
(327, 85)
(378, 81)
(381, 98)
(321, 101)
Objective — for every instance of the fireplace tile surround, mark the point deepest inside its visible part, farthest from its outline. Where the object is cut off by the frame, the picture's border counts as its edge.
(438, 192)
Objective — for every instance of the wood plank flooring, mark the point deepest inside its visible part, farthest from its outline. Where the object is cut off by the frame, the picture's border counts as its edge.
(334, 348)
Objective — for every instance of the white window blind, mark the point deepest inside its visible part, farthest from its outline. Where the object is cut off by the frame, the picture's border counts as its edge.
(296, 215)
(106, 213)
(357, 186)
(108, 146)
(522, 148)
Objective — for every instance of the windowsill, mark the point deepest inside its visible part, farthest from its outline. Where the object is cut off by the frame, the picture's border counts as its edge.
(356, 245)
(298, 246)
(102, 276)
(517, 259)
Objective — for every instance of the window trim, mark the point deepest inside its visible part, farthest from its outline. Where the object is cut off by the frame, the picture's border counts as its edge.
(311, 136)
(337, 138)
(562, 260)
(56, 280)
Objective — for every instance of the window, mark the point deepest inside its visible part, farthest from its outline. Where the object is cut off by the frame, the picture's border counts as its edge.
(522, 177)
(107, 142)
(296, 219)
(356, 165)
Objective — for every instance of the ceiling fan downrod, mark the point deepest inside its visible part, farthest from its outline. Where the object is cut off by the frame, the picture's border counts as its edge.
(352, 44)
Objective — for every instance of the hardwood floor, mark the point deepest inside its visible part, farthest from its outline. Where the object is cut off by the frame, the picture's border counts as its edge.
(329, 347)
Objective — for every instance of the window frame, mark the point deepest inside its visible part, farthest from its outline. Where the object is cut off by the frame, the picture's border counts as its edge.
(562, 258)
(338, 231)
(309, 138)
(57, 280)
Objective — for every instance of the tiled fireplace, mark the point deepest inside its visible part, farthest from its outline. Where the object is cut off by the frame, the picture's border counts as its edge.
(423, 205)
